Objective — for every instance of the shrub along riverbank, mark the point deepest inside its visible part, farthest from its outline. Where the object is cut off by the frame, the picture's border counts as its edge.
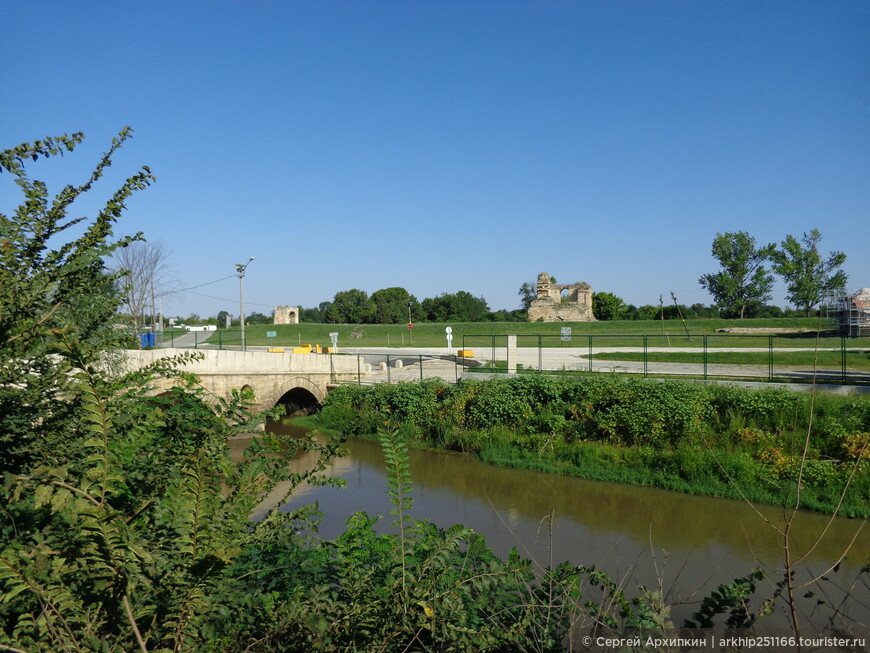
(722, 441)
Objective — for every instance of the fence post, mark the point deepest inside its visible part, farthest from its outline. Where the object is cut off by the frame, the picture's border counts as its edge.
(843, 357)
(389, 378)
(590, 352)
(196, 339)
(645, 355)
(358, 371)
(540, 356)
(421, 367)
(705, 356)
(770, 359)
(493, 353)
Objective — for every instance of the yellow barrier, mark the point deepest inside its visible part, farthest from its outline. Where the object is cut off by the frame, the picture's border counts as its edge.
(276, 350)
(465, 353)
(308, 349)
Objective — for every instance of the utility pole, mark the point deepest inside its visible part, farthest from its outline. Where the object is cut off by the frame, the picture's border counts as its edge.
(240, 270)
(680, 313)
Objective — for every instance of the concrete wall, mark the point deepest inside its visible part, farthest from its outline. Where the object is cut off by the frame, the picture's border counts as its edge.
(215, 361)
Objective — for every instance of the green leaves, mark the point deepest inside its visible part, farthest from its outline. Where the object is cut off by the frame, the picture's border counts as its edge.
(809, 277)
(743, 282)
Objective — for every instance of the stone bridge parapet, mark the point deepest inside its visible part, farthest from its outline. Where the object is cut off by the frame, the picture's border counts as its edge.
(270, 375)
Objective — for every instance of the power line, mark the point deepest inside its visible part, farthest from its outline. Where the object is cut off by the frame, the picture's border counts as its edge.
(224, 299)
(207, 283)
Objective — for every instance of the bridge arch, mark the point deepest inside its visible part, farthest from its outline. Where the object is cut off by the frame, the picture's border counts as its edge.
(297, 394)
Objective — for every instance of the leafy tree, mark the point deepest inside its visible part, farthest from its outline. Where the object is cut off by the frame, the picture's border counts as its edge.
(46, 294)
(390, 306)
(743, 282)
(808, 277)
(223, 318)
(461, 306)
(121, 509)
(350, 307)
(258, 318)
(607, 306)
(310, 315)
(528, 292)
(325, 311)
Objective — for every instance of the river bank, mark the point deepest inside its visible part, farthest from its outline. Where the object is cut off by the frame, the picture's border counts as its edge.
(714, 441)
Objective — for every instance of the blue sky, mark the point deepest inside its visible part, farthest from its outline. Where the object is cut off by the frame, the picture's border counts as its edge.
(444, 146)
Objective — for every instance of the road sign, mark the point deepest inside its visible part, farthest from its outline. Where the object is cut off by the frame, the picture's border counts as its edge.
(566, 334)
(271, 334)
(410, 326)
(449, 330)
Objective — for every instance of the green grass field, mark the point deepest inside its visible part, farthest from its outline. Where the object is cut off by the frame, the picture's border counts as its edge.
(478, 334)
(855, 360)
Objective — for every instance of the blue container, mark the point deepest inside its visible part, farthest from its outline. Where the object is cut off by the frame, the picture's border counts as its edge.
(147, 339)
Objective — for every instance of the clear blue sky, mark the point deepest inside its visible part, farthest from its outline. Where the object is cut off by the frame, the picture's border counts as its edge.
(444, 146)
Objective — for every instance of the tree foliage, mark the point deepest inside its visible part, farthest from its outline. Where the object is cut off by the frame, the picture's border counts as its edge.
(607, 306)
(46, 294)
(528, 292)
(743, 283)
(808, 277)
(259, 318)
(390, 306)
(350, 307)
(121, 510)
(460, 306)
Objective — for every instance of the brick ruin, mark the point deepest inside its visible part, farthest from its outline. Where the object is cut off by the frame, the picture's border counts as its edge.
(550, 306)
(286, 315)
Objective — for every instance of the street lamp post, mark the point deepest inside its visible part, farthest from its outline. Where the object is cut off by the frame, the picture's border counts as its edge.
(240, 270)
(410, 326)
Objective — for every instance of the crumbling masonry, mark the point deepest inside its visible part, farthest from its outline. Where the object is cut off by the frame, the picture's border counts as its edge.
(286, 315)
(549, 306)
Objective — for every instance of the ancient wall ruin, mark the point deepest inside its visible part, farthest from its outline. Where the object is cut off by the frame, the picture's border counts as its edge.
(551, 306)
(286, 315)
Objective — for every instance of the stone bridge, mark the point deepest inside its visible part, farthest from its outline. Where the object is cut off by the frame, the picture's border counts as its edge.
(298, 381)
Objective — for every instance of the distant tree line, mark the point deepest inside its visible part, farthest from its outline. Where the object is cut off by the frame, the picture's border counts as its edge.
(741, 288)
(396, 305)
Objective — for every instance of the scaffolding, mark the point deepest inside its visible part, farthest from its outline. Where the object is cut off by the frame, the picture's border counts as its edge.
(852, 313)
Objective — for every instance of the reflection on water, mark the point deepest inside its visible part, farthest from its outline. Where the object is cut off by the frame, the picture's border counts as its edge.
(698, 542)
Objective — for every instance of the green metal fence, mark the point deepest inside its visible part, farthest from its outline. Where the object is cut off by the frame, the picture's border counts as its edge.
(763, 357)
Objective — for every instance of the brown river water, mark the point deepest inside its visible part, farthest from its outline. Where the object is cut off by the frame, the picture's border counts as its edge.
(686, 545)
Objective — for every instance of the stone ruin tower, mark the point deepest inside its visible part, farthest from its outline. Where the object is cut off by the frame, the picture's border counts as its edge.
(286, 315)
(550, 307)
